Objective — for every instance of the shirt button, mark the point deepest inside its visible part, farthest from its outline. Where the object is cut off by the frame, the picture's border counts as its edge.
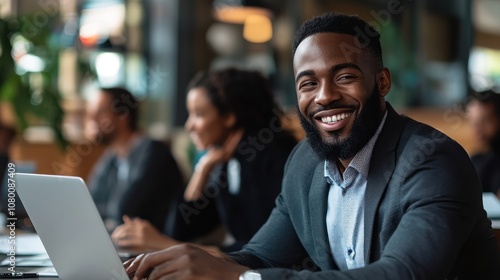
(350, 253)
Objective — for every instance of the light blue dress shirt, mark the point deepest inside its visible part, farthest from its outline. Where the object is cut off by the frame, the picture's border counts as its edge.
(345, 214)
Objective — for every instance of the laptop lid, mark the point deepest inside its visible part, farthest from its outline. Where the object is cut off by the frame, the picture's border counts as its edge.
(70, 227)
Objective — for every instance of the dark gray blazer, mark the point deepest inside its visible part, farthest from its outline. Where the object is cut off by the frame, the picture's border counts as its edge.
(423, 214)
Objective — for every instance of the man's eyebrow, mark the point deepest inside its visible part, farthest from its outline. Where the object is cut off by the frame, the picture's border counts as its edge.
(344, 66)
(304, 73)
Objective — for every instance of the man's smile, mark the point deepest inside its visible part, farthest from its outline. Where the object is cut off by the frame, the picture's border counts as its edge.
(332, 120)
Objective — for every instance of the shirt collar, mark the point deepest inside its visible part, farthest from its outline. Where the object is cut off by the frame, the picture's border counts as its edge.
(360, 163)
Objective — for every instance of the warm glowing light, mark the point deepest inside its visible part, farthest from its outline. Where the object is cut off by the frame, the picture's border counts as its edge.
(237, 14)
(257, 29)
(89, 34)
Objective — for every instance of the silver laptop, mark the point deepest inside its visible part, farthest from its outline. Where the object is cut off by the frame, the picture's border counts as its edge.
(70, 227)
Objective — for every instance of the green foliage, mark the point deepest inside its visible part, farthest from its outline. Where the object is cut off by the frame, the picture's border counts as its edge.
(400, 58)
(35, 97)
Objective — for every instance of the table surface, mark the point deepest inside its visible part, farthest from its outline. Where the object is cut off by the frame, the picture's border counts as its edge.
(495, 225)
(4, 269)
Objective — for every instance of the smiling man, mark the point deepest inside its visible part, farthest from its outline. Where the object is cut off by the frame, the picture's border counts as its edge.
(370, 194)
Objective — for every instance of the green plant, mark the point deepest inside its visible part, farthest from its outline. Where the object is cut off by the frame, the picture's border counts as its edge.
(33, 95)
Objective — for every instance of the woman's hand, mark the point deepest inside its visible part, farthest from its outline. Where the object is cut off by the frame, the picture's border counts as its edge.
(214, 156)
(140, 234)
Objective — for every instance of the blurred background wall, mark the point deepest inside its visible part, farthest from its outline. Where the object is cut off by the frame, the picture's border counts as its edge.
(56, 53)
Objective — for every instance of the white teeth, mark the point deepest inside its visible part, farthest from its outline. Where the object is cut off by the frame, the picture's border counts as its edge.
(335, 118)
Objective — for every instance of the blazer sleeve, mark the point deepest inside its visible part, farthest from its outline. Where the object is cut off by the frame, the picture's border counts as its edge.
(273, 248)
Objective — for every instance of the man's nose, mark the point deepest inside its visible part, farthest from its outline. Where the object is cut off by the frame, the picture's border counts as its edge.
(327, 94)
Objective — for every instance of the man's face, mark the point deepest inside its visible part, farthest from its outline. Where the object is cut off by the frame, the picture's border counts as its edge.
(340, 92)
(484, 122)
(100, 125)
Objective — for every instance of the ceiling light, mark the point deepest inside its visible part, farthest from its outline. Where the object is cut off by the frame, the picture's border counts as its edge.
(257, 29)
(238, 14)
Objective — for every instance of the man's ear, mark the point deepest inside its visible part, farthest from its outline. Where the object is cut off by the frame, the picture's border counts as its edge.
(230, 120)
(384, 82)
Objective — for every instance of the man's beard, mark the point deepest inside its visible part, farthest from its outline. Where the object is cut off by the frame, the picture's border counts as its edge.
(100, 138)
(364, 127)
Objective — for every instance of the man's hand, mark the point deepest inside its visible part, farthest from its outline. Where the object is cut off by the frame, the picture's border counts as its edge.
(214, 156)
(183, 262)
(140, 234)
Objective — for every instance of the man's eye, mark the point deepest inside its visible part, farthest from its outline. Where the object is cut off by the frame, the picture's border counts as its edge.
(307, 84)
(346, 77)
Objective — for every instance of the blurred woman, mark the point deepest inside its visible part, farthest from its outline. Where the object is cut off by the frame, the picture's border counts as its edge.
(234, 118)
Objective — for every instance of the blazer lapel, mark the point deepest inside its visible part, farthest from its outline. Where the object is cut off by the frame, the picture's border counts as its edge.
(382, 166)
(318, 201)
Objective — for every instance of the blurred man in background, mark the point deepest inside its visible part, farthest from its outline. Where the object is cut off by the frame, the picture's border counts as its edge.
(483, 113)
(136, 176)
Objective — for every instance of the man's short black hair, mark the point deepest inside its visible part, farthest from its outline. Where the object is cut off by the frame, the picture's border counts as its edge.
(367, 37)
(124, 104)
(487, 97)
